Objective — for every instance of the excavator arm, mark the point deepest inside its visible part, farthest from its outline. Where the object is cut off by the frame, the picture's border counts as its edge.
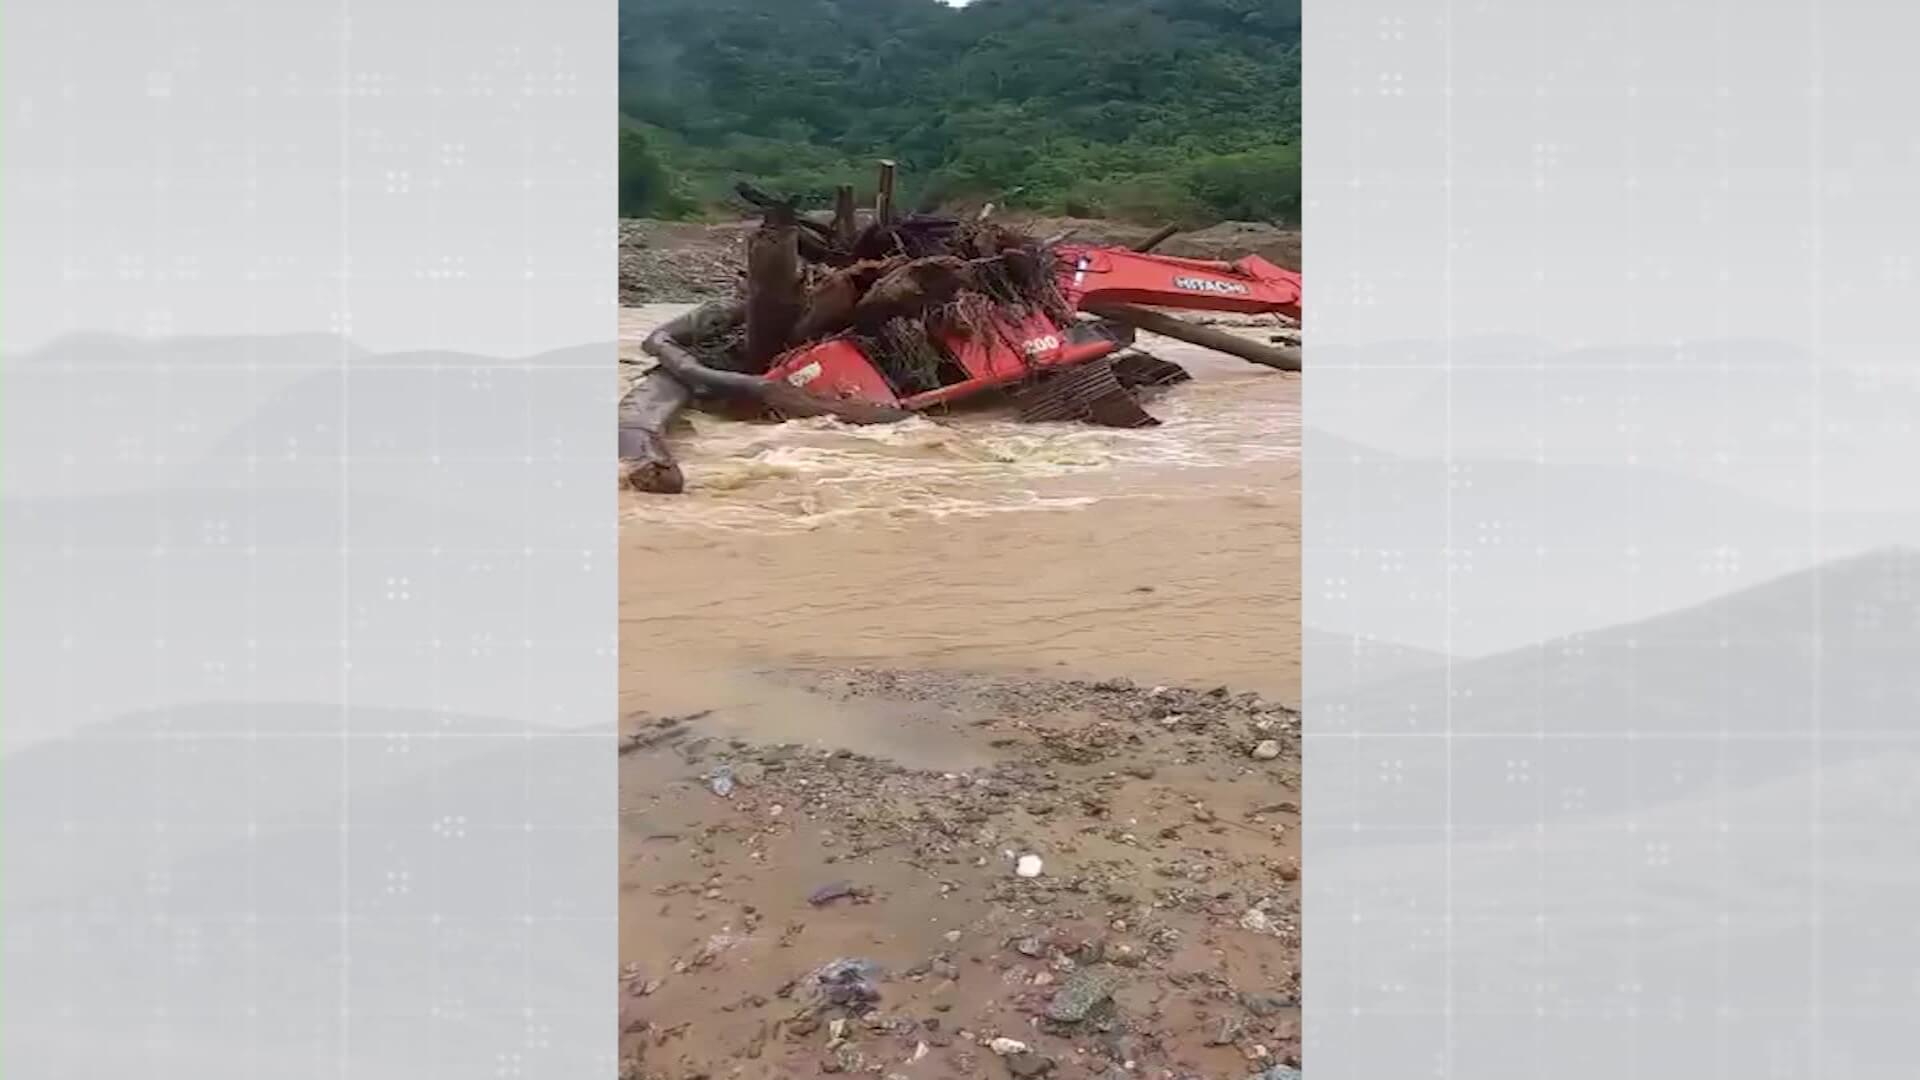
(1121, 281)
(1093, 277)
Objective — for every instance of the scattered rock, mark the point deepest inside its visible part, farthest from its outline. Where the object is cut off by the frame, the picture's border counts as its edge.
(848, 1059)
(1082, 991)
(675, 262)
(720, 781)
(1267, 750)
(849, 983)
(1006, 1047)
(835, 890)
(1117, 903)
(1027, 1063)
(1228, 1033)
(1264, 1004)
(1029, 866)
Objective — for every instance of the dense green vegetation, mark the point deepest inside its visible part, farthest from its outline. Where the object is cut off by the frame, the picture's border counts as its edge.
(1152, 110)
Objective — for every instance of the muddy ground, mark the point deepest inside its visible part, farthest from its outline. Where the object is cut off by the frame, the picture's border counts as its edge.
(823, 909)
(678, 262)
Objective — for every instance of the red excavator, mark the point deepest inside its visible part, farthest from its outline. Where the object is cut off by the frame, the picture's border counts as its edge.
(1115, 286)
(1074, 364)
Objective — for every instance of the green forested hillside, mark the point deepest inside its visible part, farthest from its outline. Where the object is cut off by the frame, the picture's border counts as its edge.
(1184, 110)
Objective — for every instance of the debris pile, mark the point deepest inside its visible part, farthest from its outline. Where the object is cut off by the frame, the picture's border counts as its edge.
(872, 319)
(896, 287)
(893, 287)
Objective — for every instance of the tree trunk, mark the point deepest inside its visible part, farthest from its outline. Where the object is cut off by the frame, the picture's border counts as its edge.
(668, 344)
(1204, 336)
(846, 224)
(883, 204)
(785, 400)
(774, 294)
(645, 462)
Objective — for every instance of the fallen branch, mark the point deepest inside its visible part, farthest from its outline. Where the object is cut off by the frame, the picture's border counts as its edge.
(1204, 336)
(1160, 236)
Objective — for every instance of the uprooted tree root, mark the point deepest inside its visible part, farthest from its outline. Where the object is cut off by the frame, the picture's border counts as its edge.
(911, 290)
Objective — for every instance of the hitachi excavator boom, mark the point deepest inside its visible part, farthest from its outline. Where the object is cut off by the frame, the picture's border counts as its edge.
(1017, 350)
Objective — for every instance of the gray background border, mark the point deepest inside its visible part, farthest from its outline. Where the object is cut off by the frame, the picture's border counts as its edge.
(306, 482)
(1609, 491)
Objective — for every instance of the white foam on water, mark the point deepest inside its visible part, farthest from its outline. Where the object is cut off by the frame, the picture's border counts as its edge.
(809, 473)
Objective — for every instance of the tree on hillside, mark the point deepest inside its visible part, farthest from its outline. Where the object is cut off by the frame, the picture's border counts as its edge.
(1181, 109)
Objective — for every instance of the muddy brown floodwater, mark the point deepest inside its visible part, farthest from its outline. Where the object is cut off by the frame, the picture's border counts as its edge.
(863, 670)
(1169, 554)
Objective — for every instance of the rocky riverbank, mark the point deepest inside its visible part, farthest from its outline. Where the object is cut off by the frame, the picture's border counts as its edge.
(1103, 885)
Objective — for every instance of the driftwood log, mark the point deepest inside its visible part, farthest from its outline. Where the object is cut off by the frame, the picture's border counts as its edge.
(831, 301)
(673, 343)
(645, 462)
(783, 399)
(1160, 236)
(775, 294)
(1206, 337)
(846, 222)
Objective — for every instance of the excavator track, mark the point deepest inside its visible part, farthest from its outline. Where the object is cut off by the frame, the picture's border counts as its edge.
(1090, 392)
